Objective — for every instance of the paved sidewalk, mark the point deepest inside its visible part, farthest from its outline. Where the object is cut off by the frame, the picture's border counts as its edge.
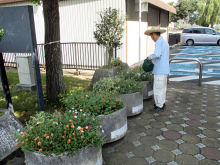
(186, 133)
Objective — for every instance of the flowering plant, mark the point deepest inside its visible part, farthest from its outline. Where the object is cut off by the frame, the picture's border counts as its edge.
(92, 103)
(118, 85)
(56, 133)
(137, 74)
(1, 33)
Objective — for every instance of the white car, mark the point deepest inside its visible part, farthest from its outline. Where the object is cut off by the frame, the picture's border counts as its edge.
(200, 35)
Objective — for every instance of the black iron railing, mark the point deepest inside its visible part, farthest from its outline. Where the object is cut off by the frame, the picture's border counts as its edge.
(74, 55)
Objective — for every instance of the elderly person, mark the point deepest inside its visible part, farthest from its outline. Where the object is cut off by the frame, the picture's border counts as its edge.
(161, 67)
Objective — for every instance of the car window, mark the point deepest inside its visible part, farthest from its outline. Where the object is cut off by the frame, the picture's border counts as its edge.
(208, 31)
(198, 30)
(187, 30)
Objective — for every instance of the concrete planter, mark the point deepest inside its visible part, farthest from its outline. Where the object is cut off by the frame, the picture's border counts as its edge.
(114, 125)
(101, 73)
(134, 103)
(8, 123)
(85, 156)
(148, 91)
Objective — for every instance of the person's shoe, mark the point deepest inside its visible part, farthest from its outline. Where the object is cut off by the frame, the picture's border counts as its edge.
(156, 109)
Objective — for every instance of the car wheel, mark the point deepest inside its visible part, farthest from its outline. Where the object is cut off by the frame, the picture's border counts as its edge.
(189, 42)
(218, 42)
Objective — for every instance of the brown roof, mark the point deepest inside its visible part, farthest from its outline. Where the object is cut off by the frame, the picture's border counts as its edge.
(10, 1)
(162, 5)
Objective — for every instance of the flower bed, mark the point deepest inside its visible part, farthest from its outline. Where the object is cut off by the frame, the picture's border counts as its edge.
(57, 133)
(105, 106)
(128, 90)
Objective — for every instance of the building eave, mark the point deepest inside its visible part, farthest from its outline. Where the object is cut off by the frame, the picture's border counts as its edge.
(162, 5)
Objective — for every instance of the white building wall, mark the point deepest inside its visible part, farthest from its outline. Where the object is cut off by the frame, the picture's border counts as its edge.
(77, 20)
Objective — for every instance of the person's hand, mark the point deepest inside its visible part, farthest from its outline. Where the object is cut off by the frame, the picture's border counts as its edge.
(147, 59)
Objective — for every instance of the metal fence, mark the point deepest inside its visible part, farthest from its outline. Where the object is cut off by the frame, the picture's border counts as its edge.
(74, 55)
(174, 39)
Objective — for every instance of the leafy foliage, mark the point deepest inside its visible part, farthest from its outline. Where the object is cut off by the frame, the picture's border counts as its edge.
(137, 73)
(118, 85)
(110, 29)
(92, 103)
(56, 133)
(1, 33)
(209, 11)
(117, 63)
(186, 9)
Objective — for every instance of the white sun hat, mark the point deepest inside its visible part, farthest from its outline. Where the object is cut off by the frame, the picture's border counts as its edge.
(154, 29)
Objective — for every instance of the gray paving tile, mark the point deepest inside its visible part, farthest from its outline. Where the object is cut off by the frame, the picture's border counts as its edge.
(199, 157)
(129, 154)
(150, 159)
(176, 152)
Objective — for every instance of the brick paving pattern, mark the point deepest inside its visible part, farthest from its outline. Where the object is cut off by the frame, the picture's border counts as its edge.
(186, 133)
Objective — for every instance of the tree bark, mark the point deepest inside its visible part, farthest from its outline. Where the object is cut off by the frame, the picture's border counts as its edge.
(110, 52)
(54, 73)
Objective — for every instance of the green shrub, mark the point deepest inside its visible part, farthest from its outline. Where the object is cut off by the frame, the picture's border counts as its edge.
(118, 85)
(117, 63)
(137, 73)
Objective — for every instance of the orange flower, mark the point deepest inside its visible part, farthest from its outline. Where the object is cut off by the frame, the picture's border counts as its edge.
(16, 144)
(70, 120)
(22, 136)
(114, 105)
(54, 122)
(40, 150)
(104, 100)
(36, 138)
(87, 109)
(84, 106)
(97, 110)
(107, 100)
(73, 134)
(69, 136)
(39, 122)
(64, 131)
(91, 108)
(80, 133)
(87, 105)
(39, 143)
(96, 106)
(99, 95)
(51, 135)
(22, 142)
(119, 103)
(82, 97)
(26, 139)
(75, 104)
(31, 127)
(73, 98)
(67, 126)
(45, 135)
(63, 137)
(81, 129)
(104, 97)
(116, 99)
(68, 141)
(72, 126)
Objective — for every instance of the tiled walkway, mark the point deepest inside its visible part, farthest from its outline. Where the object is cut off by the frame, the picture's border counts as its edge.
(186, 133)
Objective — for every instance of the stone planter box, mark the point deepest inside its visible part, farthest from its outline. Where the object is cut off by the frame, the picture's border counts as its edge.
(134, 102)
(8, 123)
(114, 125)
(100, 73)
(85, 156)
(148, 91)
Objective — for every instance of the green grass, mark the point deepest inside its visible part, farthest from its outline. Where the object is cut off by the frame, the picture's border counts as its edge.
(25, 102)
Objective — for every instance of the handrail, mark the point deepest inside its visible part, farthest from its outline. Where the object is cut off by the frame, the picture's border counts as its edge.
(191, 59)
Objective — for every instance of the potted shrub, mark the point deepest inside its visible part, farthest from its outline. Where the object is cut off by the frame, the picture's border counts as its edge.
(128, 90)
(61, 138)
(116, 66)
(138, 74)
(110, 111)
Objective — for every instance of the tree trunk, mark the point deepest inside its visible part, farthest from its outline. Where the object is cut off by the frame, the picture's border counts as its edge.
(110, 52)
(54, 73)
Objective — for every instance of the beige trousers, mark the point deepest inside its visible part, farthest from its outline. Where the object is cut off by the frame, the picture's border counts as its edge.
(160, 88)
